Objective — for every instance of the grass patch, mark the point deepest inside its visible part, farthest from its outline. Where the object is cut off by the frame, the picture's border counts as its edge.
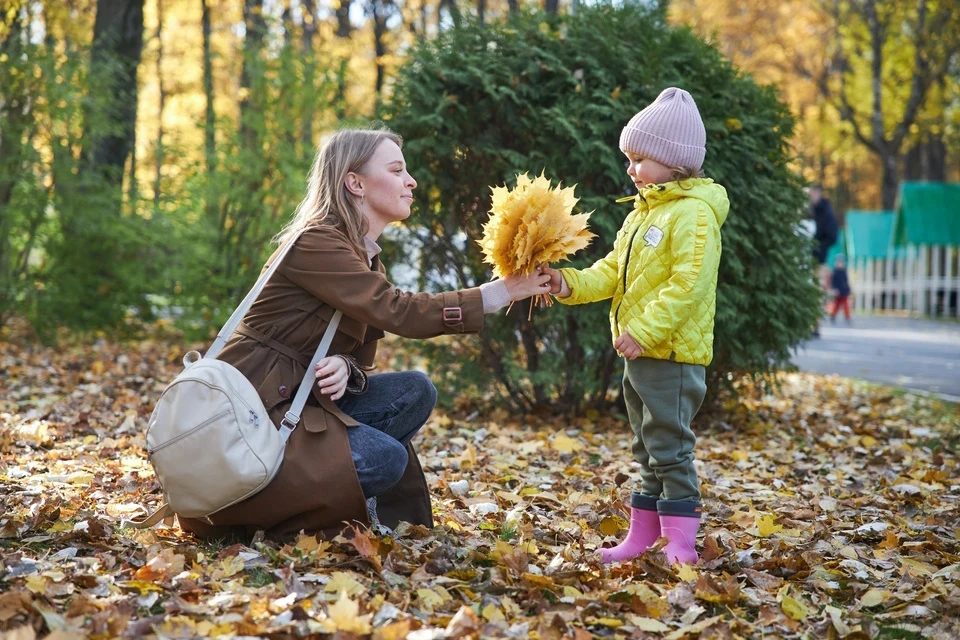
(258, 577)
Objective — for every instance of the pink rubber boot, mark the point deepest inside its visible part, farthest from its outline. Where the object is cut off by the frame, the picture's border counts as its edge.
(679, 523)
(644, 530)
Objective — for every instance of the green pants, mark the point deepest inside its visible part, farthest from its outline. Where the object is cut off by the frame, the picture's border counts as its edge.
(662, 398)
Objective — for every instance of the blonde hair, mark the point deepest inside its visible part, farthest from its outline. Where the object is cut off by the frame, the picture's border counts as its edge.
(685, 173)
(328, 202)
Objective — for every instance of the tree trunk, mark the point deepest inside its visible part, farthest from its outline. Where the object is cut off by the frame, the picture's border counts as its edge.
(452, 9)
(551, 6)
(252, 46)
(891, 182)
(14, 116)
(379, 14)
(308, 51)
(514, 6)
(481, 11)
(927, 160)
(115, 54)
(163, 98)
(344, 28)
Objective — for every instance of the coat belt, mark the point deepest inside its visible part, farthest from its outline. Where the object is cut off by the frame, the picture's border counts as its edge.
(246, 330)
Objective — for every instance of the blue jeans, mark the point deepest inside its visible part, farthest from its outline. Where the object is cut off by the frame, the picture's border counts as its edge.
(390, 413)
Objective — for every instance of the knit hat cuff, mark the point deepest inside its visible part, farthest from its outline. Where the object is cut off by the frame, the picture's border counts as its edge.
(666, 152)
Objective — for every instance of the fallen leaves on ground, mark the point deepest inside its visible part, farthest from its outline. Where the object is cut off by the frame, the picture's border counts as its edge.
(831, 510)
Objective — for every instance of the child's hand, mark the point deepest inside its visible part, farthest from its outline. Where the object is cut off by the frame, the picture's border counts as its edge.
(627, 346)
(557, 284)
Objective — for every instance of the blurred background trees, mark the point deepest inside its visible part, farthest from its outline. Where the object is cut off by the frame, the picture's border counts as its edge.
(149, 149)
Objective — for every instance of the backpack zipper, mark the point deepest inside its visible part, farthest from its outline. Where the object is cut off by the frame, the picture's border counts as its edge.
(180, 437)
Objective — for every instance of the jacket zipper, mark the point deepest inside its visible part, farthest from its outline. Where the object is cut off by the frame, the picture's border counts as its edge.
(626, 265)
(180, 437)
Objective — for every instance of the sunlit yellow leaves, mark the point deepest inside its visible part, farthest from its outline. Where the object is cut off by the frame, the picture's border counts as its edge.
(793, 607)
(492, 613)
(873, 597)
(532, 224)
(650, 625)
(231, 566)
(565, 444)
(805, 528)
(612, 525)
(766, 526)
(345, 582)
(429, 599)
(344, 615)
(36, 583)
(687, 573)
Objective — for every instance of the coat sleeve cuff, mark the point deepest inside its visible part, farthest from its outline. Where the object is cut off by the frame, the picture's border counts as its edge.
(462, 311)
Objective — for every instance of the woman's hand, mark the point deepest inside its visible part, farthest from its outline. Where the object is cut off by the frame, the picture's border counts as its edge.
(333, 373)
(522, 287)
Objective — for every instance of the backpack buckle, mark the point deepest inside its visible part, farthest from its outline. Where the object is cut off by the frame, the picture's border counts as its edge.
(289, 421)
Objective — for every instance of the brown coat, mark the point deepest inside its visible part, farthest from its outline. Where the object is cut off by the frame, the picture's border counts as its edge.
(317, 489)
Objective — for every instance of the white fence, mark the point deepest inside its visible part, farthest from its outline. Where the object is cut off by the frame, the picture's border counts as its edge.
(925, 279)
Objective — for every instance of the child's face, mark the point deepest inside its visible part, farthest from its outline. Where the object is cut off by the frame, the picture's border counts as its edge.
(839, 263)
(644, 171)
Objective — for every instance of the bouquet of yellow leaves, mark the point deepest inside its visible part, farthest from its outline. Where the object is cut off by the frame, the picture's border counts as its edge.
(531, 225)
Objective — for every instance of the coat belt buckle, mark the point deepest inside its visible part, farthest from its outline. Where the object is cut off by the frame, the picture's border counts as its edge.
(452, 315)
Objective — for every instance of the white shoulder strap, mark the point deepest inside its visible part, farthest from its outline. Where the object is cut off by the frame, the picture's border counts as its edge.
(292, 417)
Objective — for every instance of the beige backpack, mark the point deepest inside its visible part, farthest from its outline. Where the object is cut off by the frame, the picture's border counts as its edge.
(210, 439)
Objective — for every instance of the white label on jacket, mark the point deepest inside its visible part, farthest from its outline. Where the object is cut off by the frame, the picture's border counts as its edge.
(653, 236)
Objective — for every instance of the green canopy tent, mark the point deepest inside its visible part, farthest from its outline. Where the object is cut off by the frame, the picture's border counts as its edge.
(869, 258)
(869, 234)
(927, 228)
(928, 214)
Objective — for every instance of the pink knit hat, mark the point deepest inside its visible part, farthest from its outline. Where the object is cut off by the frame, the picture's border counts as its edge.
(669, 131)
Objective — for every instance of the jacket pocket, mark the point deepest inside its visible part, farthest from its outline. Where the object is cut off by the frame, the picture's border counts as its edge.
(314, 419)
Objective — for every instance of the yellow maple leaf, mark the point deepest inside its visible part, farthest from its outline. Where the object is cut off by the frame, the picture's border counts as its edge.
(687, 573)
(36, 583)
(344, 615)
(342, 581)
(565, 444)
(428, 599)
(492, 613)
(766, 527)
(794, 608)
(612, 525)
(231, 565)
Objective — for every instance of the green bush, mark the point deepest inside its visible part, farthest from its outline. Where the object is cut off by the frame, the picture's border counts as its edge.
(479, 105)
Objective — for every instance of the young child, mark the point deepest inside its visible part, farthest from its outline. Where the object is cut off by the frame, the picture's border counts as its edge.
(841, 287)
(662, 276)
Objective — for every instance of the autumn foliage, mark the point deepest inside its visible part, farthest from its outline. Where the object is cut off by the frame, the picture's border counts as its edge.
(830, 511)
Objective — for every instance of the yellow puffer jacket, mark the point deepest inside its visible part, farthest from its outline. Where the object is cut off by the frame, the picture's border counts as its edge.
(662, 272)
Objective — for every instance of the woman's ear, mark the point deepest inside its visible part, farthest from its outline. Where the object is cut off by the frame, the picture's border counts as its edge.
(352, 182)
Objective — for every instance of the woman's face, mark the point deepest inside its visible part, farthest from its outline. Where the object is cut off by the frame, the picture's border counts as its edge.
(644, 171)
(387, 187)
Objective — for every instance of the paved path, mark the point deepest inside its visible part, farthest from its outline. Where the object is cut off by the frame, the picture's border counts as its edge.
(910, 353)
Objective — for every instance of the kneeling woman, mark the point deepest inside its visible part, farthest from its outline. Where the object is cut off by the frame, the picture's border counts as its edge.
(350, 458)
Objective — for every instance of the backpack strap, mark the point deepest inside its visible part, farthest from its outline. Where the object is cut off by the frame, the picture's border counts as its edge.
(237, 316)
(292, 417)
(160, 513)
